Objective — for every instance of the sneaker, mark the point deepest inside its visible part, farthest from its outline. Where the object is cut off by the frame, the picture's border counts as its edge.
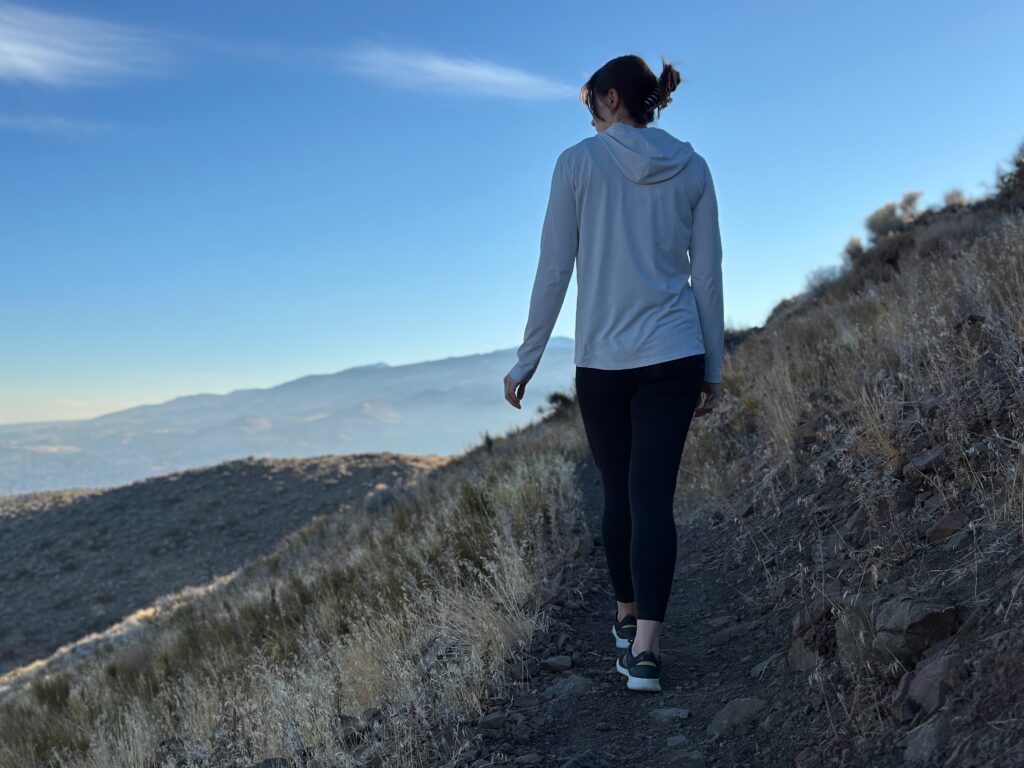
(641, 670)
(624, 630)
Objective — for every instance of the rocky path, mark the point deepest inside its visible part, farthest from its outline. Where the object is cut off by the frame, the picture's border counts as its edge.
(730, 697)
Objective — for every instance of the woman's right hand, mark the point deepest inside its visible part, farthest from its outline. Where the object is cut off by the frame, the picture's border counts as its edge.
(514, 392)
(712, 392)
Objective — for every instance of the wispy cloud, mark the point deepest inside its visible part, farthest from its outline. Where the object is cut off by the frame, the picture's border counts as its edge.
(58, 49)
(48, 124)
(416, 68)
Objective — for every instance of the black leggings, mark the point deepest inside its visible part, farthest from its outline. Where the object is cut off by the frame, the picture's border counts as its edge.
(636, 420)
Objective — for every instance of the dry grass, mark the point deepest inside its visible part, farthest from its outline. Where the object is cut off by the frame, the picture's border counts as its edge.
(416, 614)
(867, 358)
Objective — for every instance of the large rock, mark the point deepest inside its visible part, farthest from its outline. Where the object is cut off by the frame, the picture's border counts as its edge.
(946, 526)
(556, 663)
(925, 740)
(569, 685)
(801, 658)
(928, 686)
(492, 721)
(898, 629)
(734, 714)
(905, 627)
(669, 714)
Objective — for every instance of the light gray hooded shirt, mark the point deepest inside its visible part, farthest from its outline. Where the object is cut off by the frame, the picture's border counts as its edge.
(626, 207)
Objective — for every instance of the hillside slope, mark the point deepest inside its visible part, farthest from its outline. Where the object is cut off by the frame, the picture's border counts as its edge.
(75, 562)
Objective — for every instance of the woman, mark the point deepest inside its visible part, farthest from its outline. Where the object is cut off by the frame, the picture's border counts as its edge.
(625, 207)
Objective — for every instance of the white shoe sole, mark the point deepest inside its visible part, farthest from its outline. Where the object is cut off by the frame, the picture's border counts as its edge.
(620, 642)
(637, 683)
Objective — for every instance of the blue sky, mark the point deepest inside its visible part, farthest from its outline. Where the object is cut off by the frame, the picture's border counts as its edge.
(200, 197)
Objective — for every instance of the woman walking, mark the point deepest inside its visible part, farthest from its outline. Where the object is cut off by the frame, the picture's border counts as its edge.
(625, 208)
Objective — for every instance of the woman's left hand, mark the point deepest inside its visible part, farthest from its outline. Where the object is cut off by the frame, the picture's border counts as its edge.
(514, 391)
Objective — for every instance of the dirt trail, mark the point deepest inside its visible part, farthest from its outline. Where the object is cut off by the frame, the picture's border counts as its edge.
(714, 637)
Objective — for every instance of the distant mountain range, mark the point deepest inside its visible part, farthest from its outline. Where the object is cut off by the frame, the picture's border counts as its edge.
(437, 406)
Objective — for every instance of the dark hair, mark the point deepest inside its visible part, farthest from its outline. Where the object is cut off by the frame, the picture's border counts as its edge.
(640, 90)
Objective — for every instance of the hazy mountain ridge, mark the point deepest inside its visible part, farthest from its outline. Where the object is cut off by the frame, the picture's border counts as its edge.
(436, 406)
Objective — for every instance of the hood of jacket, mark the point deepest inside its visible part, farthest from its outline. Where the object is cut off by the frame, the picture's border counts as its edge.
(646, 155)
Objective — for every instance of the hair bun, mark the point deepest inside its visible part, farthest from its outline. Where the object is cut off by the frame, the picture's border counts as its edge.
(667, 83)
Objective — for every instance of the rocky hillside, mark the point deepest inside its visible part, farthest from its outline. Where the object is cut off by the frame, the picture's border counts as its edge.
(73, 563)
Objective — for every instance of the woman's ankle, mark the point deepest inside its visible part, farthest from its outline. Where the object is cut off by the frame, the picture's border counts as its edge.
(648, 637)
(637, 650)
(623, 610)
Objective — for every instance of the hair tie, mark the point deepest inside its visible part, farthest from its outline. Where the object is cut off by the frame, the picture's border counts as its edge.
(652, 101)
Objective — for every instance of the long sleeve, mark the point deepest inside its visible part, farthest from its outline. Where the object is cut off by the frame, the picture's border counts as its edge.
(706, 277)
(559, 243)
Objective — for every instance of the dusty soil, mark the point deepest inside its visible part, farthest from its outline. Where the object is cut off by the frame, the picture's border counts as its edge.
(75, 562)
